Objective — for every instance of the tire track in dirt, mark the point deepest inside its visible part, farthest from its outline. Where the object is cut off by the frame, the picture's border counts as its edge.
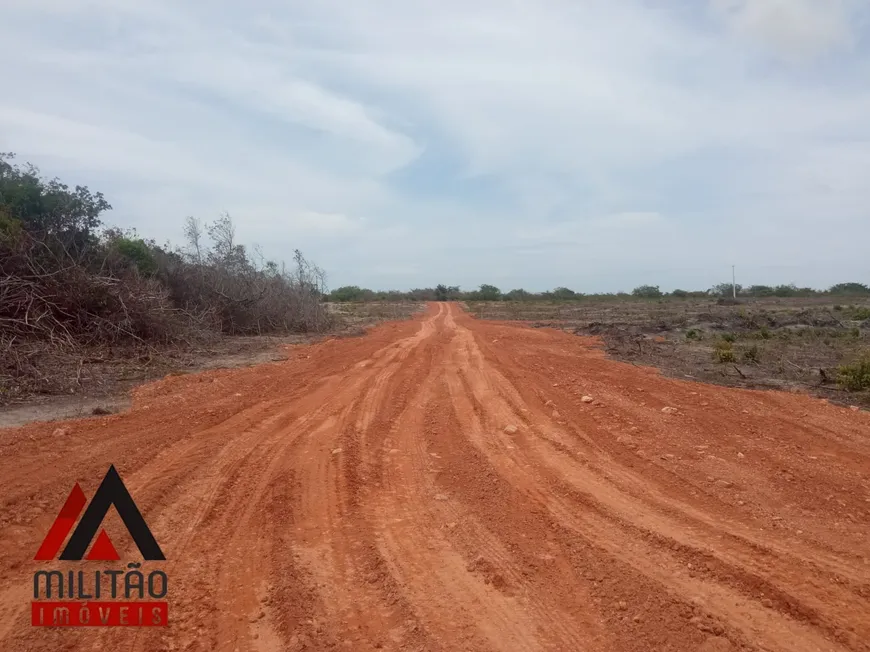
(608, 510)
(439, 484)
(693, 529)
(232, 506)
(435, 568)
(340, 553)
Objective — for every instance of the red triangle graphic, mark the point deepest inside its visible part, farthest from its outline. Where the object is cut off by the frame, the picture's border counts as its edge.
(62, 525)
(103, 549)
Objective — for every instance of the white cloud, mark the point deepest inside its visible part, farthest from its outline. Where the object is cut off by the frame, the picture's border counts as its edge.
(795, 29)
(587, 231)
(414, 136)
(328, 223)
(398, 272)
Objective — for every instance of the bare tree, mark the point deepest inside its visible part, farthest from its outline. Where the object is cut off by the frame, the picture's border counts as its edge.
(193, 233)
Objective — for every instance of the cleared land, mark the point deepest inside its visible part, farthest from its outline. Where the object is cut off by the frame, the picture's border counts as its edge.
(441, 483)
(99, 379)
(781, 343)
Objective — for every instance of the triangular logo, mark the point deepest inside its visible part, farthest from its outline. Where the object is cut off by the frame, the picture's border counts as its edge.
(110, 492)
(103, 549)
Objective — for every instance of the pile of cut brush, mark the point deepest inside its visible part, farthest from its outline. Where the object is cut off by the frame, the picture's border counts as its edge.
(72, 291)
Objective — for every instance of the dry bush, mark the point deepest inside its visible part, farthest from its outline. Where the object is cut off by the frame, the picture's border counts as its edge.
(243, 294)
(67, 286)
(855, 377)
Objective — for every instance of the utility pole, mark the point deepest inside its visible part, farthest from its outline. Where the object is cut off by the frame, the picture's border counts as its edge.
(733, 282)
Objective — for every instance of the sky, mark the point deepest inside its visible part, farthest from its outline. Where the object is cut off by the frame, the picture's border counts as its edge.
(593, 144)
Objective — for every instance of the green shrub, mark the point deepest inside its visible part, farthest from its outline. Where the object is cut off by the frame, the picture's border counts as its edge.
(860, 314)
(724, 353)
(136, 252)
(693, 334)
(729, 337)
(647, 292)
(856, 376)
(849, 288)
(10, 228)
(760, 291)
(488, 293)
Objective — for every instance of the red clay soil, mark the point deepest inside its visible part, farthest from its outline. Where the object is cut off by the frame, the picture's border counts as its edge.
(442, 484)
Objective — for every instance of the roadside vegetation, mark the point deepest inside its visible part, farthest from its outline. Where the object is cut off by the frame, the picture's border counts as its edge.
(74, 292)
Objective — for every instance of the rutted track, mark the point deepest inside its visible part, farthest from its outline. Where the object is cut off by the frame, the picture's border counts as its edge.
(439, 484)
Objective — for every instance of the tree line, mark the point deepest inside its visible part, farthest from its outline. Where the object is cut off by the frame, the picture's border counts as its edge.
(486, 292)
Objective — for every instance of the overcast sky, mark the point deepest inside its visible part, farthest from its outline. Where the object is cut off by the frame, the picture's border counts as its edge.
(597, 144)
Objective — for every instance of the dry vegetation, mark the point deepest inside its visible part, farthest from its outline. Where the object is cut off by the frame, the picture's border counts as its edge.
(820, 344)
(81, 304)
(357, 316)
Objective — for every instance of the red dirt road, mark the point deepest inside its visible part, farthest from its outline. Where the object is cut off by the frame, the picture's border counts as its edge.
(439, 484)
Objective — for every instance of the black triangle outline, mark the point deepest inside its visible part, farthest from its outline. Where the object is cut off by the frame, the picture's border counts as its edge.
(112, 492)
